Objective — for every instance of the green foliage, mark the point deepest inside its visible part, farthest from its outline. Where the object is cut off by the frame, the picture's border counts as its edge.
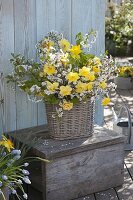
(119, 29)
(79, 38)
(13, 164)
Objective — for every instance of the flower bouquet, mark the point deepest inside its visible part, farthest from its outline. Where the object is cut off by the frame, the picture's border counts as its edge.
(124, 77)
(68, 79)
(13, 172)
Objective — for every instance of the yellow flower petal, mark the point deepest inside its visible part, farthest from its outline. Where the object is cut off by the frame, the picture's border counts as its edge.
(7, 144)
(52, 87)
(81, 87)
(47, 44)
(91, 76)
(84, 71)
(75, 51)
(65, 90)
(90, 86)
(64, 45)
(97, 61)
(96, 69)
(64, 59)
(49, 69)
(103, 85)
(72, 77)
(67, 105)
(105, 101)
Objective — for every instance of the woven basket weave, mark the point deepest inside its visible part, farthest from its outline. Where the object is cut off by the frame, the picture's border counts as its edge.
(76, 123)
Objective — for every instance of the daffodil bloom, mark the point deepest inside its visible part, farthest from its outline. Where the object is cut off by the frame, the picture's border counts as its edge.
(105, 101)
(67, 105)
(84, 71)
(7, 144)
(90, 62)
(103, 85)
(47, 44)
(49, 69)
(75, 51)
(90, 86)
(64, 59)
(81, 87)
(97, 60)
(52, 87)
(64, 45)
(91, 76)
(125, 71)
(96, 69)
(72, 77)
(65, 90)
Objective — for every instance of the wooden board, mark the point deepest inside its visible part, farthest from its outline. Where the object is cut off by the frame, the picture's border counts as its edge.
(6, 47)
(86, 172)
(52, 149)
(129, 163)
(25, 34)
(126, 191)
(88, 197)
(107, 195)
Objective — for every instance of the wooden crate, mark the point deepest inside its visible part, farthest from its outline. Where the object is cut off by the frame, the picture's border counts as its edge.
(78, 167)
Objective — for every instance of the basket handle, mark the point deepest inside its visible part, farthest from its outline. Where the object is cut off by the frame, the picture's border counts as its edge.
(129, 120)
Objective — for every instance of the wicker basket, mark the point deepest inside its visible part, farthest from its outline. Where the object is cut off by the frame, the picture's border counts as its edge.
(76, 123)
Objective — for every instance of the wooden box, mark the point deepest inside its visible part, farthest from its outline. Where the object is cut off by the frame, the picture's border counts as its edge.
(78, 167)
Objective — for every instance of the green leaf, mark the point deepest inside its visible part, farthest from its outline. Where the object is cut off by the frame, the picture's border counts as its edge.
(75, 100)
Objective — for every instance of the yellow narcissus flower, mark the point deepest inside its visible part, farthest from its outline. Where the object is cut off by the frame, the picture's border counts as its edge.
(72, 77)
(52, 86)
(7, 144)
(125, 71)
(64, 45)
(90, 62)
(97, 60)
(103, 85)
(81, 87)
(49, 69)
(65, 90)
(75, 51)
(90, 86)
(84, 71)
(64, 59)
(67, 105)
(47, 44)
(121, 71)
(91, 76)
(105, 101)
(96, 69)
